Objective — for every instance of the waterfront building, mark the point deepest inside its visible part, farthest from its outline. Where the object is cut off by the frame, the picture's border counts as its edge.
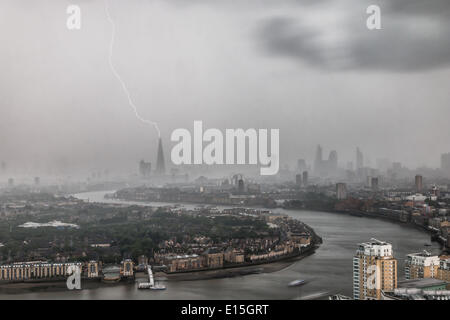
(177, 263)
(374, 270)
(418, 289)
(214, 259)
(126, 268)
(421, 265)
(233, 256)
(21, 271)
(92, 269)
(443, 272)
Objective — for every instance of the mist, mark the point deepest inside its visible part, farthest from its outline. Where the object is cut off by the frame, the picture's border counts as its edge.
(308, 68)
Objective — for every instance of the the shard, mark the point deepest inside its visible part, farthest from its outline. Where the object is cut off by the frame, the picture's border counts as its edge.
(160, 164)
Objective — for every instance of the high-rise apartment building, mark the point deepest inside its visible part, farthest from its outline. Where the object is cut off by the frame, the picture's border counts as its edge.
(374, 270)
(443, 272)
(421, 265)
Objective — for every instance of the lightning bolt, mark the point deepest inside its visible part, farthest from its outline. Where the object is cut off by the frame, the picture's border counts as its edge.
(117, 75)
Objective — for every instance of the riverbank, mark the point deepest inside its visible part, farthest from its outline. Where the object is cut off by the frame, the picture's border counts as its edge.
(237, 271)
(268, 267)
(362, 214)
(329, 269)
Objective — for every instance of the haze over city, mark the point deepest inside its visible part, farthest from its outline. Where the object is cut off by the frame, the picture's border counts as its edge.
(310, 69)
(224, 154)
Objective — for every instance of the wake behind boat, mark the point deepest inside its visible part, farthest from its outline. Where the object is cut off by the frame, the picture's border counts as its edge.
(296, 283)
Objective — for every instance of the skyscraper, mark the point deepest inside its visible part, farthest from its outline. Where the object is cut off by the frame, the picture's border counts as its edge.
(318, 160)
(160, 164)
(418, 183)
(359, 159)
(374, 270)
(298, 180)
(305, 178)
(301, 165)
(145, 168)
(445, 163)
(332, 162)
(374, 184)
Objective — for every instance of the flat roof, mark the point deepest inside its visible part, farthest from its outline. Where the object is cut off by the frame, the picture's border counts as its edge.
(420, 283)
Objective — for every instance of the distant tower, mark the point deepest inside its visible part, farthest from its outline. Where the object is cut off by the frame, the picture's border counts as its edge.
(333, 161)
(301, 165)
(160, 164)
(241, 186)
(374, 184)
(305, 178)
(318, 160)
(419, 183)
(298, 180)
(359, 159)
(341, 191)
(145, 168)
(445, 164)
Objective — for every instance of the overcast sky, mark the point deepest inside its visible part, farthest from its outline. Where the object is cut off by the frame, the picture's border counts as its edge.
(310, 68)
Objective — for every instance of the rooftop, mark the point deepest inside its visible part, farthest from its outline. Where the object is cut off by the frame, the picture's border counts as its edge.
(420, 283)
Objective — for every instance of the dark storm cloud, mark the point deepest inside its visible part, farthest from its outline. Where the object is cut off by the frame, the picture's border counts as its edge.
(417, 7)
(414, 36)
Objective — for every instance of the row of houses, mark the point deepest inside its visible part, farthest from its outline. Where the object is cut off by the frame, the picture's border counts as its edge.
(22, 271)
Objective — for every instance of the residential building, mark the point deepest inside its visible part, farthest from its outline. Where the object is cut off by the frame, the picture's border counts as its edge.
(374, 270)
(421, 265)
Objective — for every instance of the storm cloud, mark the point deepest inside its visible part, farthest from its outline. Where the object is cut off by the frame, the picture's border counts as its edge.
(414, 36)
(309, 68)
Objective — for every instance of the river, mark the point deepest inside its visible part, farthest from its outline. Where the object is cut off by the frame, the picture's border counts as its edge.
(328, 270)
